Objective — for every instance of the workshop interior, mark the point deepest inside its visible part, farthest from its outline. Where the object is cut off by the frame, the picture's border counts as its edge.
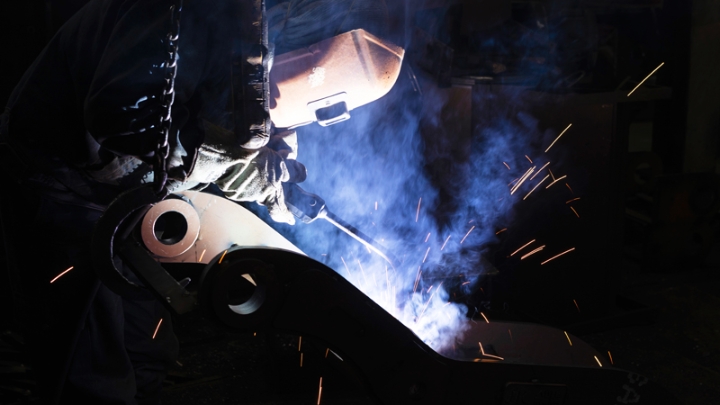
(522, 207)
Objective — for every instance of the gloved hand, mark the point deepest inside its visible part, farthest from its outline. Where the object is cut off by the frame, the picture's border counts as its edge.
(250, 174)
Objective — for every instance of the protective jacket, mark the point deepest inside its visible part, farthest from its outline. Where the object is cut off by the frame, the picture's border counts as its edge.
(87, 111)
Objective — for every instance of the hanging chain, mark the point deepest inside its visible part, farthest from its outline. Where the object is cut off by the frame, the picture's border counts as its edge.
(162, 150)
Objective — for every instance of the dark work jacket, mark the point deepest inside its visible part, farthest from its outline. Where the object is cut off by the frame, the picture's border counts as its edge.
(89, 103)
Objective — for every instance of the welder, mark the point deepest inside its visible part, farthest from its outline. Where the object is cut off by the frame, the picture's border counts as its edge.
(83, 125)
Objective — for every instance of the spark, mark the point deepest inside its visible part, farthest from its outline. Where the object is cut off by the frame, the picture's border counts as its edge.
(646, 77)
(362, 271)
(61, 274)
(426, 255)
(387, 278)
(528, 158)
(465, 283)
(417, 279)
(570, 188)
(301, 359)
(576, 213)
(327, 351)
(514, 181)
(299, 343)
(201, 255)
(568, 338)
(558, 255)
(417, 214)
(552, 174)
(507, 165)
(558, 137)
(319, 392)
(532, 252)
(445, 243)
(576, 305)
(429, 288)
(598, 361)
(510, 333)
(222, 257)
(611, 360)
(375, 205)
(538, 172)
(427, 237)
(522, 247)
(485, 317)
(536, 186)
(467, 234)
(346, 266)
(428, 302)
(500, 231)
(574, 199)
(555, 181)
(488, 355)
(254, 333)
(522, 179)
(157, 328)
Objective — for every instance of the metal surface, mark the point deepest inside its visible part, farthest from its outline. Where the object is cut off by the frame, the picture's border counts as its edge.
(165, 248)
(305, 297)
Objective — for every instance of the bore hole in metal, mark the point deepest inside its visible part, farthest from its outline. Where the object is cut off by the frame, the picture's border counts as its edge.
(170, 228)
(246, 295)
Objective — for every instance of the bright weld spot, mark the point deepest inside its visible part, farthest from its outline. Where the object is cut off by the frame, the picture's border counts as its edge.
(61, 274)
(555, 181)
(646, 77)
(319, 392)
(610, 356)
(522, 247)
(569, 188)
(528, 158)
(558, 255)
(568, 338)
(427, 237)
(558, 137)
(485, 317)
(598, 361)
(541, 169)
(574, 199)
(426, 255)
(222, 257)
(254, 333)
(576, 213)
(500, 231)
(576, 305)
(157, 328)
(445, 243)
(467, 234)
(536, 186)
(522, 179)
(431, 297)
(299, 343)
(507, 165)
(532, 252)
(417, 214)
(201, 255)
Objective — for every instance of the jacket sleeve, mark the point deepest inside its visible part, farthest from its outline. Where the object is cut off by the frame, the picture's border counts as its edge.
(122, 108)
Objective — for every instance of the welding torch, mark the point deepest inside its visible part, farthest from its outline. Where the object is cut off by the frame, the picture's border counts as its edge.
(308, 207)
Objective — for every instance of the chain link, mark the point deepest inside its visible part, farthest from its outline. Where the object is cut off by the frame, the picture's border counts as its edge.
(162, 150)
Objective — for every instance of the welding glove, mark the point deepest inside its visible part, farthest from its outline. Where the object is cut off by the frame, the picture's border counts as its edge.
(250, 174)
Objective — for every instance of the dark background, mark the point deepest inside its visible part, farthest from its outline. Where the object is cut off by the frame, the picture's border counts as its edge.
(650, 262)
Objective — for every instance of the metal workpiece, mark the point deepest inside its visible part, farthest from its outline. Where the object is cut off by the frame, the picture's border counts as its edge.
(256, 289)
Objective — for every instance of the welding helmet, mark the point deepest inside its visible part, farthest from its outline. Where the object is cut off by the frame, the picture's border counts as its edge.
(330, 57)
